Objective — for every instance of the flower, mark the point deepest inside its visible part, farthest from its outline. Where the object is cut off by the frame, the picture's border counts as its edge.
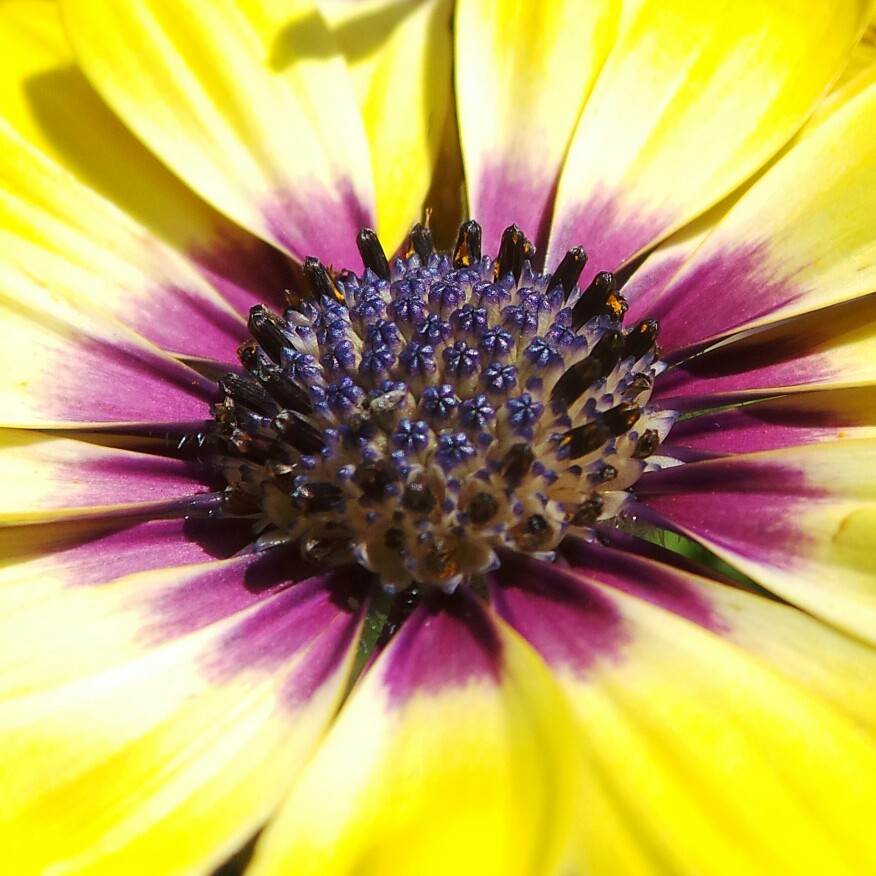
(378, 557)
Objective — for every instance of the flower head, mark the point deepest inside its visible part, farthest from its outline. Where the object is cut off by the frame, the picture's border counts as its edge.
(524, 534)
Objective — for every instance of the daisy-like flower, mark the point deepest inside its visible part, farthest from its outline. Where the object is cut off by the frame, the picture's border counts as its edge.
(322, 524)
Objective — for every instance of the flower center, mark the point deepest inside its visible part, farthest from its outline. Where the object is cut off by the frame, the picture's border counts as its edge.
(427, 416)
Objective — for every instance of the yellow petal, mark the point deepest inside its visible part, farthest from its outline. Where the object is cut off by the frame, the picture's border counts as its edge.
(691, 101)
(798, 520)
(66, 365)
(818, 249)
(451, 756)
(168, 762)
(701, 757)
(47, 100)
(263, 125)
(80, 246)
(50, 478)
(523, 72)
(399, 59)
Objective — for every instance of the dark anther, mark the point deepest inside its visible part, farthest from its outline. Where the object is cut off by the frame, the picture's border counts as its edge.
(568, 271)
(468, 245)
(585, 439)
(249, 394)
(605, 474)
(313, 498)
(372, 253)
(237, 503)
(514, 250)
(640, 339)
(588, 511)
(421, 242)
(317, 276)
(267, 329)
(300, 433)
(607, 351)
(621, 417)
(516, 463)
(536, 525)
(639, 384)
(394, 539)
(593, 299)
(373, 477)
(418, 497)
(289, 394)
(646, 444)
(576, 381)
(482, 508)
(535, 530)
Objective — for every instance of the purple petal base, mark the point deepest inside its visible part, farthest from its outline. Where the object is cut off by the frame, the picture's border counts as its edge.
(645, 571)
(569, 622)
(447, 642)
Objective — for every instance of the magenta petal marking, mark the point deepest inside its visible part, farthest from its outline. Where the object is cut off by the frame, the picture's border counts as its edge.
(569, 622)
(508, 195)
(320, 224)
(750, 368)
(607, 229)
(176, 321)
(747, 506)
(246, 271)
(92, 558)
(643, 575)
(103, 383)
(130, 479)
(321, 612)
(755, 428)
(447, 642)
(726, 291)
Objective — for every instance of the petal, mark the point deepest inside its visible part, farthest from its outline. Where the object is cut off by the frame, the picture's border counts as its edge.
(799, 521)
(833, 347)
(763, 264)
(450, 757)
(691, 101)
(863, 56)
(262, 125)
(701, 758)
(70, 366)
(46, 100)
(399, 59)
(802, 418)
(820, 659)
(523, 72)
(167, 763)
(41, 562)
(49, 478)
(76, 244)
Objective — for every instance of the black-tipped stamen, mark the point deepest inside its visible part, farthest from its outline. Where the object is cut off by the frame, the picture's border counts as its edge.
(514, 250)
(249, 394)
(372, 253)
(421, 243)
(640, 339)
(468, 245)
(593, 299)
(516, 463)
(298, 431)
(647, 444)
(576, 381)
(621, 418)
(267, 329)
(568, 271)
(318, 279)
